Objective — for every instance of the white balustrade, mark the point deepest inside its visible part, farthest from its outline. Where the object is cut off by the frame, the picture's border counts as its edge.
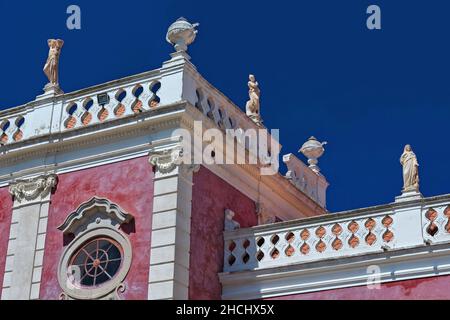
(12, 128)
(436, 223)
(123, 101)
(43, 116)
(127, 97)
(386, 228)
(214, 107)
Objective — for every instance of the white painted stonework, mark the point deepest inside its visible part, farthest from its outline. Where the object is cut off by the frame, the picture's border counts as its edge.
(305, 179)
(397, 237)
(62, 133)
(171, 222)
(184, 95)
(59, 133)
(98, 217)
(27, 237)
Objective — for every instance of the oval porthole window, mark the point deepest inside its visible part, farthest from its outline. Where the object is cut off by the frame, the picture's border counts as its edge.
(97, 261)
(95, 264)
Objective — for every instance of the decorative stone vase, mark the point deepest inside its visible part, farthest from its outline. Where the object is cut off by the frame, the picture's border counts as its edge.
(181, 33)
(313, 150)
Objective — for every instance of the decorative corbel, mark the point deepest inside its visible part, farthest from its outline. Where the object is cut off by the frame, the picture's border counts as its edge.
(31, 189)
(165, 161)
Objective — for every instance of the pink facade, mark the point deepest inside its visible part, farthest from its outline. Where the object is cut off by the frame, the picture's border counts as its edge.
(128, 184)
(5, 224)
(433, 288)
(210, 197)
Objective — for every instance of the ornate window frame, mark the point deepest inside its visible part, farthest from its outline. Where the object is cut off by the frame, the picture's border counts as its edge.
(93, 219)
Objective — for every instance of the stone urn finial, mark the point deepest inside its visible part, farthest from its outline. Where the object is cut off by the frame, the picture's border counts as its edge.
(313, 150)
(181, 34)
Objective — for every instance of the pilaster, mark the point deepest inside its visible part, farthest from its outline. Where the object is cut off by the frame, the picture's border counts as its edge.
(171, 223)
(27, 237)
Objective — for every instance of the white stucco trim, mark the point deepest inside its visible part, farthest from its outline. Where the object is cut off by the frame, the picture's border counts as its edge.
(26, 244)
(404, 264)
(170, 241)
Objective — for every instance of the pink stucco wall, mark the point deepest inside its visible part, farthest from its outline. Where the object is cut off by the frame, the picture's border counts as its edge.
(5, 223)
(210, 197)
(128, 184)
(418, 289)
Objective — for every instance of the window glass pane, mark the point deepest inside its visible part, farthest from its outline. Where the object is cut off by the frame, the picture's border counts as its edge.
(99, 260)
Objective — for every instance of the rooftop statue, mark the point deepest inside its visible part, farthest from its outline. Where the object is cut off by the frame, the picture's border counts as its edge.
(410, 170)
(52, 64)
(253, 105)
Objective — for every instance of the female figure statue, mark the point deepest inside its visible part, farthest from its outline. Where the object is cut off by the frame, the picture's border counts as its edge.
(252, 107)
(51, 66)
(410, 170)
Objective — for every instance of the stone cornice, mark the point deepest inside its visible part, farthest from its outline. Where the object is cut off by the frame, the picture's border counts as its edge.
(273, 182)
(180, 114)
(92, 135)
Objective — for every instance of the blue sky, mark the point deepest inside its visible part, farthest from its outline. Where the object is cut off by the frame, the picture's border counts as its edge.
(321, 73)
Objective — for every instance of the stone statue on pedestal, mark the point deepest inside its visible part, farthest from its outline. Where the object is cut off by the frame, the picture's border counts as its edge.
(252, 106)
(229, 223)
(52, 64)
(410, 170)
